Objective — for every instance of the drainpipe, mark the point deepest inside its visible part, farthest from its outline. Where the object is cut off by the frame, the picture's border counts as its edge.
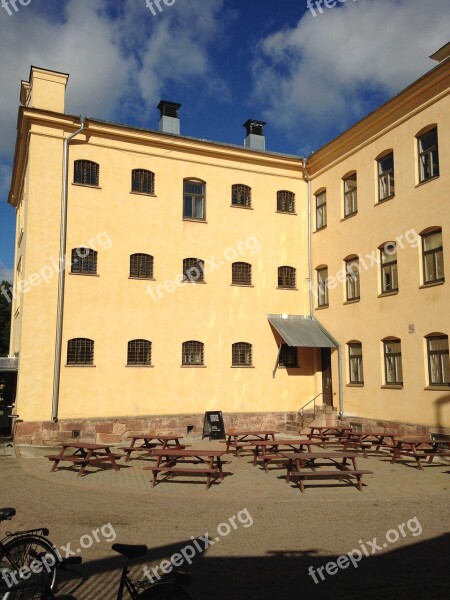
(61, 275)
(311, 302)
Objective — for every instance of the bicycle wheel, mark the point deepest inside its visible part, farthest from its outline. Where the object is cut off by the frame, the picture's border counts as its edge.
(165, 591)
(22, 551)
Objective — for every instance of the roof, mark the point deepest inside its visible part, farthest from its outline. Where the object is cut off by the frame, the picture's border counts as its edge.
(300, 331)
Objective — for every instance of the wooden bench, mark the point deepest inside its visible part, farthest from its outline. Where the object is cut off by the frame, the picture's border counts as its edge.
(337, 474)
(188, 470)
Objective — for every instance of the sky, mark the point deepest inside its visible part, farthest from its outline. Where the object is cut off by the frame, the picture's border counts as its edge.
(310, 74)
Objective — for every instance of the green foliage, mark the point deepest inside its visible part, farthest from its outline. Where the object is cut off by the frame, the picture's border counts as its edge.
(5, 318)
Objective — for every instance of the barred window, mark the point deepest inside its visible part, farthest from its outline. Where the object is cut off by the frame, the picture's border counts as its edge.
(141, 266)
(139, 352)
(285, 201)
(241, 195)
(86, 172)
(241, 273)
(241, 355)
(287, 277)
(288, 356)
(84, 261)
(192, 353)
(193, 270)
(80, 351)
(142, 181)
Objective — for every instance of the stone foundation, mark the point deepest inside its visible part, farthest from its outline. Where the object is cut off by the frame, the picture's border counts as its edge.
(116, 430)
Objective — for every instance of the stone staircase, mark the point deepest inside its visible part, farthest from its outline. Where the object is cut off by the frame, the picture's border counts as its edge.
(296, 422)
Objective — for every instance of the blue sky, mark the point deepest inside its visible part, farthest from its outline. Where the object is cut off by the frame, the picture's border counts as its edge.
(224, 60)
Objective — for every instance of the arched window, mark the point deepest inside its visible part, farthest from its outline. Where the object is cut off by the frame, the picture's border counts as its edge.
(432, 255)
(350, 195)
(385, 169)
(322, 285)
(438, 359)
(141, 266)
(86, 172)
(321, 209)
(287, 278)
(241, 273)
(194, 199)
(241, 195)
(139, 353)
(80, 351)
(193, 270)
(393, 369)
(142, 181)
(428, 152)
(192, 353)
(388, 265)
(355, 362)
(84, 261)
(241, 354)
(352, 278)
(285, 201)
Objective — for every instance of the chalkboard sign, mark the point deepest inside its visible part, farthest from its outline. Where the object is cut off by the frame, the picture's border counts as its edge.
(213, 426)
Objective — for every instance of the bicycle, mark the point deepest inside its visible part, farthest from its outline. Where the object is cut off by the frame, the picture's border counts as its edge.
(166, 588)
(19, 550)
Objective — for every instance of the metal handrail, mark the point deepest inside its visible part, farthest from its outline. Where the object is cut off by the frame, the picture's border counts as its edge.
(300, 410)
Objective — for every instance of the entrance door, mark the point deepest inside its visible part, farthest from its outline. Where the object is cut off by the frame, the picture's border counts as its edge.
(327, 386)
(7, 397)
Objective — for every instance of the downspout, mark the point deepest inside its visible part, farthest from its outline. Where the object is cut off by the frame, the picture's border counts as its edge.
(61, 274)
(311, 302)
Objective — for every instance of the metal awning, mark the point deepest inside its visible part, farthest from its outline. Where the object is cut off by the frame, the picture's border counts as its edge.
(301, 332)
(9, 363)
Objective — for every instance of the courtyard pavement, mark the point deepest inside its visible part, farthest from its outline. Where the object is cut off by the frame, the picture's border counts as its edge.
(266, 534)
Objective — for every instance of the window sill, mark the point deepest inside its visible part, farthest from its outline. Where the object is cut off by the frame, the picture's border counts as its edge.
(392, 386)
(352, 301)
(85, 274)
(438, 388)
(191, 281)
(383, 200)
(82, 366)
(286, 212)
(143, 278)
(427, 180)
(140, 366)
(144, 194)
(288, 367)
(192, 220)
(358, 385)
(292, 289)
(94, 187)
(431, 284)
(241, 206)
(246, 285)
(242, 367)
(193, 366)
(384, 294)
(320, 229)
(322, 307)
(346, 217)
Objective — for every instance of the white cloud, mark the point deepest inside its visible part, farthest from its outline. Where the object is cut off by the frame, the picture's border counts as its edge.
(319, 72)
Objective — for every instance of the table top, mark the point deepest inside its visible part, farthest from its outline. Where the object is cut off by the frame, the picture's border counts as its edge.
(155, 436)
(285, 442)
(308, 455)
(263, 432)
(184, 452)
(85, 445)
(371, 433)
(331, 428)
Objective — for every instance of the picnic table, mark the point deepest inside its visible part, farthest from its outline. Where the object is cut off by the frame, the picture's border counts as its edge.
(328, 433)
(85, 454)
(149, 442)
(181, 460)
(241, 439)
(365, 440)
(420, 448)
(305, 465)
(269, 450)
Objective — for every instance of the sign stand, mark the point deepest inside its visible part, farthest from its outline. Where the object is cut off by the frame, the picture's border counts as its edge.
(213, 426)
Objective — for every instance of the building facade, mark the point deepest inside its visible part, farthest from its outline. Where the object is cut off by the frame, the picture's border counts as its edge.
(191, 282)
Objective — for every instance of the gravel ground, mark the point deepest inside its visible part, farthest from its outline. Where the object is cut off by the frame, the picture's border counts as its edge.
(278, 533)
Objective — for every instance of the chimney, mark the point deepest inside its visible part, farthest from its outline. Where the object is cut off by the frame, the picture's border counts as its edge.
(45, 90)
(255, 135)
(169, 121)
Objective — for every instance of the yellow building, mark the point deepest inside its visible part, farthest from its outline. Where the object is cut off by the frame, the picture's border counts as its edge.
(380, 248)
(191, 282)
